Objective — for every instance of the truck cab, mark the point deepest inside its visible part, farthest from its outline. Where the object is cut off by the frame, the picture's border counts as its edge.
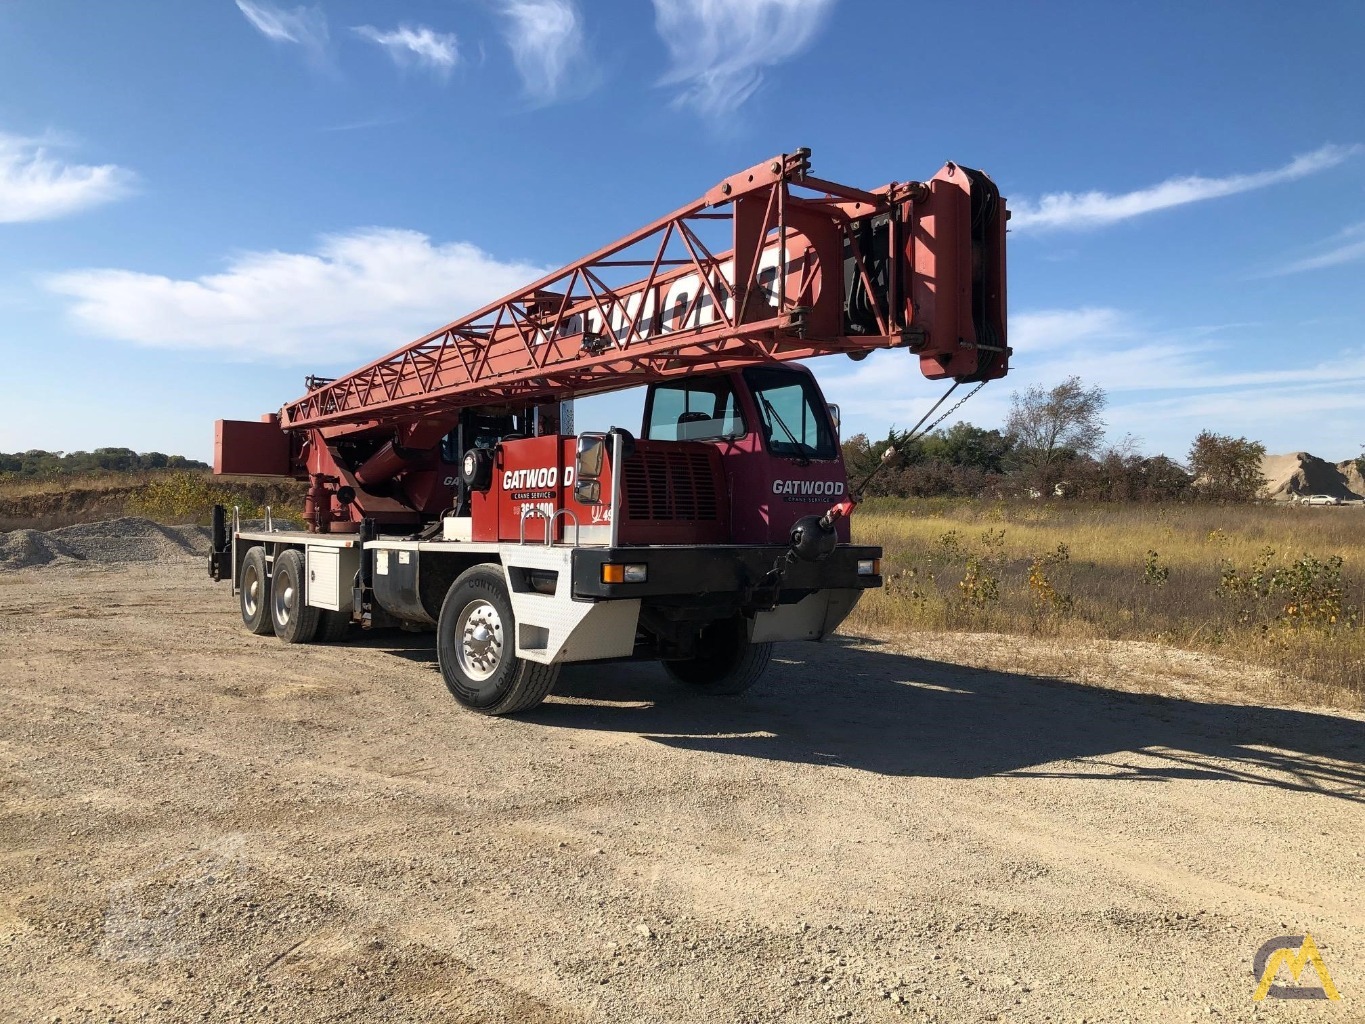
(777, 438)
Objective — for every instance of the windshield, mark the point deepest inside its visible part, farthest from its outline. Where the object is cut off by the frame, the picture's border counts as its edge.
(795, 422)
(701, 409)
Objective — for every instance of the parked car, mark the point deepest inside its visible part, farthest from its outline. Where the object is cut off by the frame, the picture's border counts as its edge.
(1319, 499)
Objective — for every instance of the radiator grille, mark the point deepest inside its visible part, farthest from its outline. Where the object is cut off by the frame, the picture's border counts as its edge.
(674, 485)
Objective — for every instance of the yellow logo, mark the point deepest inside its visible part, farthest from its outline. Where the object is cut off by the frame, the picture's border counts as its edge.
(1294, 952)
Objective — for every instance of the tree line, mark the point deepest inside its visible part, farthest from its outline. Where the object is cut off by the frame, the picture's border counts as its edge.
(39, 464)
(1053, 445)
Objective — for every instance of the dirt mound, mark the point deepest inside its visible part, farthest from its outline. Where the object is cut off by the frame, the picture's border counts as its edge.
(1299, 473)
(64, 507)
(112, 542)
(1351, 473)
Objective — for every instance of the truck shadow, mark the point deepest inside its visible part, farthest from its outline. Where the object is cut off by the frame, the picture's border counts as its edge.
(899, 715)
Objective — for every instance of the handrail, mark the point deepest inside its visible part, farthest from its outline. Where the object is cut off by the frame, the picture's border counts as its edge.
(536, 512)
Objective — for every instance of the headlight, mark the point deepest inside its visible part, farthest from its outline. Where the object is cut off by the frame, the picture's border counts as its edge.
(869, 567)
(617, 572)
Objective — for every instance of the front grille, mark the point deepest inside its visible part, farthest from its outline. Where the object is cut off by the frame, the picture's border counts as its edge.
(674, 485)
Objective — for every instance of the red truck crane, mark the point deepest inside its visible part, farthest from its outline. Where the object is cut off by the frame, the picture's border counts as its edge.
(446, 487)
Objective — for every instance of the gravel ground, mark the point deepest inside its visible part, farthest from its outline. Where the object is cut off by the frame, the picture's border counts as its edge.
(199, 824)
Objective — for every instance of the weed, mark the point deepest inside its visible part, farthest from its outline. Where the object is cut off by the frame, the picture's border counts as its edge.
(1154, 574)
(979, 586)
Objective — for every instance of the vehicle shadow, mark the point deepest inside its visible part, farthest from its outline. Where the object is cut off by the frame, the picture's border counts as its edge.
(898, 715)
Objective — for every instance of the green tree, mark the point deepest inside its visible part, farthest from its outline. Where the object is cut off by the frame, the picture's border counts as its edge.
(1052, 426)
(969, 446)
(1227, 468)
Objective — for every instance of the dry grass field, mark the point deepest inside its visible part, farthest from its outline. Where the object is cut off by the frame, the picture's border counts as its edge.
(1275, 586)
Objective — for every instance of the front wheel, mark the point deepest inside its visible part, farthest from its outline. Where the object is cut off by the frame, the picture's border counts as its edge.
(476, 648)
(728, 663)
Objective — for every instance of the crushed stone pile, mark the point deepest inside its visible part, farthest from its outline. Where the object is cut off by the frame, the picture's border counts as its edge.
(1300, 473)
(113, 542)
(21, 549)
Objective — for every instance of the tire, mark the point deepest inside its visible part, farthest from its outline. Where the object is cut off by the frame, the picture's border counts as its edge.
(295, 622)
(332, 626)
(475, 647)
(254, 596)
(730, 665)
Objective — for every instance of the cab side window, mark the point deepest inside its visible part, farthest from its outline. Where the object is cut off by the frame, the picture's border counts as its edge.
(696, 410)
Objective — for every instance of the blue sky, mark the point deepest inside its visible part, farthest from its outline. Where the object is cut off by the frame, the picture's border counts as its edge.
(201, 203)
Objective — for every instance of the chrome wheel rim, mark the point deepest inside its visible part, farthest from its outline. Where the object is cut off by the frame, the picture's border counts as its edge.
(251, 593)
(284, 600)
(480, 640)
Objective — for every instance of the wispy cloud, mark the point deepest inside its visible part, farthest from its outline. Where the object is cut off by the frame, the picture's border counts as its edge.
(548, 48)
(1096, 209)
(720, 48)
(360, 293)
(416, 46)
(302, 26)
(1164, 384)
(34, 185)
(366, 123)
(1060, 328)
(1346, 246)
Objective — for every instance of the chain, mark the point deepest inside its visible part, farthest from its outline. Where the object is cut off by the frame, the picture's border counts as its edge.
(952, 409)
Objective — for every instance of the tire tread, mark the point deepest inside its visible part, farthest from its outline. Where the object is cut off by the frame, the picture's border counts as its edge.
(265, 623)
(303, 623)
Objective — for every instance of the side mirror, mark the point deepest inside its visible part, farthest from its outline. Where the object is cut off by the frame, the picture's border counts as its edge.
(834, 415)
(590, 456)
(588, 492)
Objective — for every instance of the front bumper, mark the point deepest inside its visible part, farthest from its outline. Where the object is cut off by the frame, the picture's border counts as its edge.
(725, 572)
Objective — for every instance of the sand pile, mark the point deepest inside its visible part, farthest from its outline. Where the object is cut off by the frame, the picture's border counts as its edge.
(1355, 479)
(1299, 473)
(113, 542)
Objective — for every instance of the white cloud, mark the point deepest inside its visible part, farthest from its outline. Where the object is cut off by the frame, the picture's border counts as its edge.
(420, 46)
(720, 48)
(546, 39)
(1095, 209)
(359, 294)
(34, 185)
(1164, 385)
(303, 26)
(1346, 246)
(1320, 418)
(1058, 328)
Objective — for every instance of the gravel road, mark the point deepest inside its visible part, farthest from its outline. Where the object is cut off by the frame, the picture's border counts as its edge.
(200, 824)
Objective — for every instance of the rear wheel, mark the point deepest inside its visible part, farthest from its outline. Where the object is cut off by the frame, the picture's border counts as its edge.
(728, 662)
(295, 622)
(476, 648)
(254, 593)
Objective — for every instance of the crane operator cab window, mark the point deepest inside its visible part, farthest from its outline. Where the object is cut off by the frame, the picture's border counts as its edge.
(792, 413)
(702, 409)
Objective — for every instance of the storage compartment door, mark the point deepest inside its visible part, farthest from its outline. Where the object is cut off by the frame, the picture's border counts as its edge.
(331, 576)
